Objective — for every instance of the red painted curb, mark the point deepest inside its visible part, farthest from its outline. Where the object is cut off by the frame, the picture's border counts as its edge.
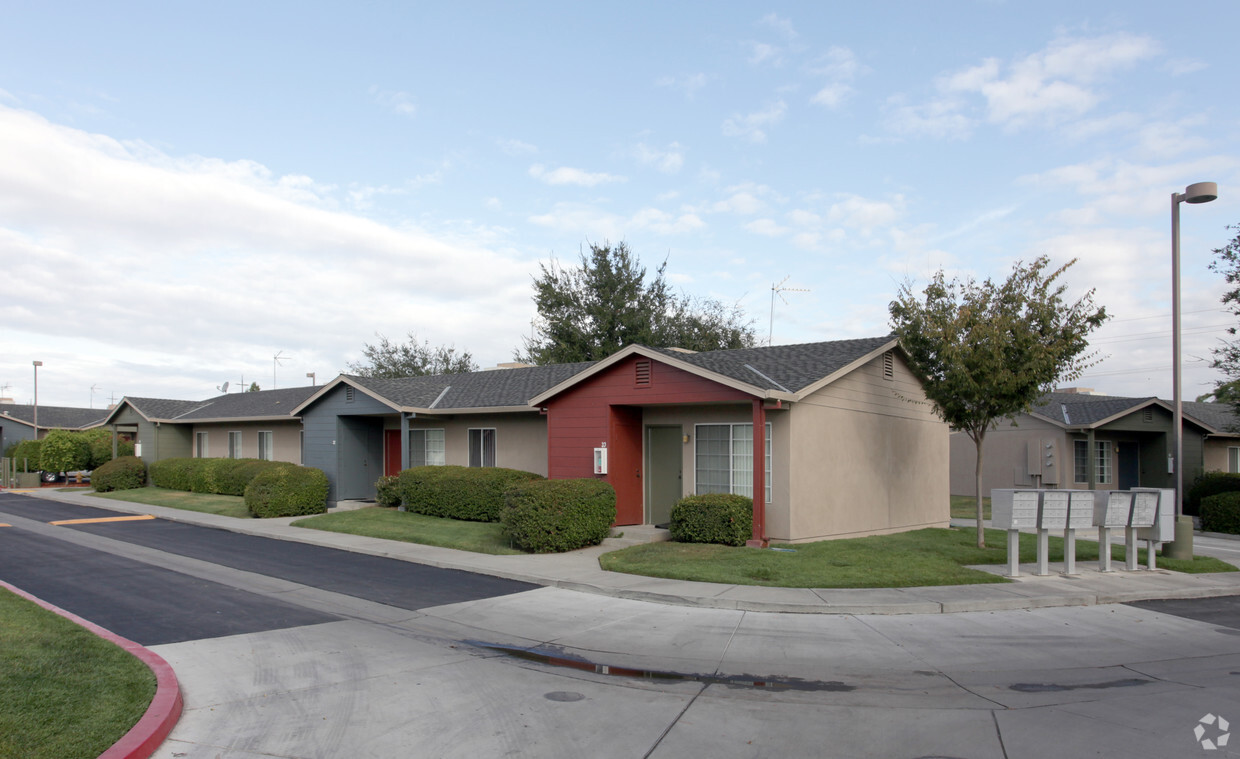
(165, 709)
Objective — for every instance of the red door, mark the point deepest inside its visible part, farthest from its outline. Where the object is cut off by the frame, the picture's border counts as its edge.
(624, 463)
(391, 451)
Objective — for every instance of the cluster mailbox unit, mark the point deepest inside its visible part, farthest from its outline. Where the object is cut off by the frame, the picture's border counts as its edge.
(1143, 513)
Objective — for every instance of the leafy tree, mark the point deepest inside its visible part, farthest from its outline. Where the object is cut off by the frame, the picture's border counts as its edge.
(1224, 392)
(1227, 356)
(411, 359)
(589, 313)
(988, 351)
(26, 454)
(64, 451)
(254, 388)
(99, 442)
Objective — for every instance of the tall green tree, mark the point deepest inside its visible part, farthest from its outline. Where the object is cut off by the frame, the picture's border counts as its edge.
(1227, 356)
(64, 451)
(411, 359)
(589, 312)
(987, 351)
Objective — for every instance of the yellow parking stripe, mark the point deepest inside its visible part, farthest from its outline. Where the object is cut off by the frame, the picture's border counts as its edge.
(103, 519)
(2, 524)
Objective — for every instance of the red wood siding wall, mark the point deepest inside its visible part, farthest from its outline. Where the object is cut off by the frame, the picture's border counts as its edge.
(603, 409)
(391, 452)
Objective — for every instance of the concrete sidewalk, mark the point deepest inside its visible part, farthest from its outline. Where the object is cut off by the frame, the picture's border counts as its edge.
(579, 570)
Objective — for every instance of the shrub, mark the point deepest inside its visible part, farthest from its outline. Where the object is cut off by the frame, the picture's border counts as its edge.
(1208, 484)
(26, 455)
(121, 473)
(287, 491)
(99, 442)
(387, 491)
(1221, 513)
(219, 476)
(64, 451)
(713, 518)
(547, 516)
(475, 494)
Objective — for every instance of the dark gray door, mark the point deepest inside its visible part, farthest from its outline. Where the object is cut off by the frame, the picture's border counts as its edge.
(359, 445)
(664, 475)
(1129, 465)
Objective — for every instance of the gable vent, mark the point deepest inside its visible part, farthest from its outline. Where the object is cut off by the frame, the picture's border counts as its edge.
(348, 395)
(641, 373)
(1147, 415)
(889, 365)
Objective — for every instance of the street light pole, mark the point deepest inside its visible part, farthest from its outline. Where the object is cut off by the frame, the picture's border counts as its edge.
(37, 364)
(1201, 192)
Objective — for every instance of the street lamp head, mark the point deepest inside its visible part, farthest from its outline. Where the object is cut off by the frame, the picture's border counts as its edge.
(1201, 192)
(37, 363)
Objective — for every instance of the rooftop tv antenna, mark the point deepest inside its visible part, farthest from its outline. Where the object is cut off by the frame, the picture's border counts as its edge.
(779, 289)
(223, 388)
(276, 360)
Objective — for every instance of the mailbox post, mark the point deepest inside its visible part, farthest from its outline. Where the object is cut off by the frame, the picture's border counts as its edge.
(1111, 510)
(1144, 513)
(1014, 510)
(1053, 516)
(1163, 530)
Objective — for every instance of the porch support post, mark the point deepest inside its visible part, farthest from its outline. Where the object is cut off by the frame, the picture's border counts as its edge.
(1090, 457)
(759, 539)
(113, 426)
(404, 441)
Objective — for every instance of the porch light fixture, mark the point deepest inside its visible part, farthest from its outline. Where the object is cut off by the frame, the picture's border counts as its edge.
(1201, 192)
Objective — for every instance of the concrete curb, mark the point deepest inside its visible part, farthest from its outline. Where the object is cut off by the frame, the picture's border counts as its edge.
(165, 709)
(1027, 593)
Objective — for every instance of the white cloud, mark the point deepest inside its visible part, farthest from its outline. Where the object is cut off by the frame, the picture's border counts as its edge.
(686, 83)
(779, 24)
(753, 126)
(1181, 66)
(937, 118)
(665, 223)
(1051, 85)
(206, 262)
(766, 227)
(587, 220)
(839, 64)
(762, 52)
(832, 95)
(516, 147)
(394, 100)
(668, 160)
(568, 175)
(865, 214)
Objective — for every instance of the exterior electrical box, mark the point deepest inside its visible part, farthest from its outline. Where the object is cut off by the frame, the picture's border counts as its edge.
(600, 460)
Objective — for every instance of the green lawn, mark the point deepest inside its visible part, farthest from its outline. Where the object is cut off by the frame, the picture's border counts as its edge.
(224, 505)
(390, 524)
(64, 691)
(907, 559)
(965, 507)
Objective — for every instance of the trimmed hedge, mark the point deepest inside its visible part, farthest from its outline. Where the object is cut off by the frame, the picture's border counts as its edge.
(475, 494)
(1221, 513)
(387, 491)
(287, 491)
(550, 516)
(713, 518)
(26, 453)
(219, 476)
(121, 473)
(1208, 484)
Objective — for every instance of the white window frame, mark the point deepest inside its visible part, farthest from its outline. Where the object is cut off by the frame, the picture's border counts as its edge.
(1233, 459)
(733, 484)
(1103, 462)
(478, 458)
(266, 445)
(200, 444)
(430, 456)
(235, 448)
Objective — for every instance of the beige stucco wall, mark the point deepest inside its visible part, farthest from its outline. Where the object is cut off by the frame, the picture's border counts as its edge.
(1005, 455)
(1216, 453)
(286, 439)
(867, 456)
(520, 439)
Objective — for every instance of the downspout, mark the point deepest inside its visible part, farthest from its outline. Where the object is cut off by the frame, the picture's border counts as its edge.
(759, 539)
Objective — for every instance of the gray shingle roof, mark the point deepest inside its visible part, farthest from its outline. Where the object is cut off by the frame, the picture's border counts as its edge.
(794, 367)
(487, 389)
(1084, 410)
(55, 417)
(162, 408)
(1220, 416)
(262, 403)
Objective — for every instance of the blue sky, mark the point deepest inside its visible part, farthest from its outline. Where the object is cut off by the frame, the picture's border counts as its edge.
(187, 191)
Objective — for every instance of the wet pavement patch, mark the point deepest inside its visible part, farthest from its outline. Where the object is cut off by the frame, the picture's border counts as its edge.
(563, 695)
(1057, 688)
(559, 659)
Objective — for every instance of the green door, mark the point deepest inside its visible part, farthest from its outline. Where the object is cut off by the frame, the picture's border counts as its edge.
(664, 475)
